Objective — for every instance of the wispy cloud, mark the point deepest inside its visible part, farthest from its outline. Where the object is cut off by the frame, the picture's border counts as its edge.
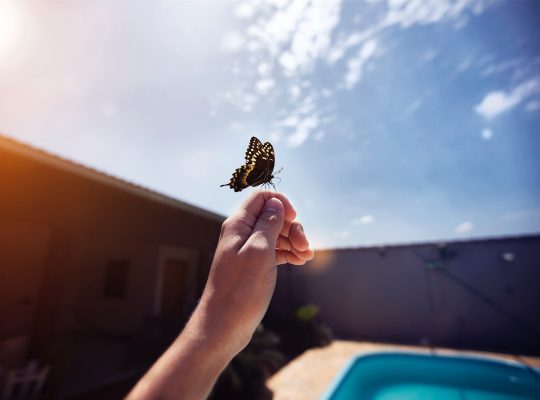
(498, 102)
(363, 220)
(245, 10)
(286, 40)
(263, 86)
(302, 130)
(356, 64)
(232, 42)
(310, 36)
(407, 12)
(338, 50)
(464, 227)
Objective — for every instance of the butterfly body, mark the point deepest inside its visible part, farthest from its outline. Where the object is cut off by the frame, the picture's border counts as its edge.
(259, 167)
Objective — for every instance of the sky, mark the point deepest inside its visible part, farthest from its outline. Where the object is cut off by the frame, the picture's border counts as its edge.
(394, 121)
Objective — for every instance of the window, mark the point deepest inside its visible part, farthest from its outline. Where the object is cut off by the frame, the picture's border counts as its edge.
(116, 276)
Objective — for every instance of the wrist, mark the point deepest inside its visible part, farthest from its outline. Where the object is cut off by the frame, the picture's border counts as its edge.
(217, 330)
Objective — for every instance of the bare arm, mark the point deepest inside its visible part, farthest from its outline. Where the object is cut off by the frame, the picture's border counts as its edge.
(260, 235)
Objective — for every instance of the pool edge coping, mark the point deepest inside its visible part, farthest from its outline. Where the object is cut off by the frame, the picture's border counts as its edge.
(340, 377)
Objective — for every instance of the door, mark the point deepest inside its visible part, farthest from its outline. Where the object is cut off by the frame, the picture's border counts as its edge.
(175, 284)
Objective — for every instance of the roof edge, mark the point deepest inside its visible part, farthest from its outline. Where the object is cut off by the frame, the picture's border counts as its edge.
(64, 164)
(435, 242)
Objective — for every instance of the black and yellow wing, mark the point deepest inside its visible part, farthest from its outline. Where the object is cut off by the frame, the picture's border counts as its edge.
(260, 160)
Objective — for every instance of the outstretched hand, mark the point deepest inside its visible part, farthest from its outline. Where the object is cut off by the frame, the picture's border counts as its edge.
(260, 235)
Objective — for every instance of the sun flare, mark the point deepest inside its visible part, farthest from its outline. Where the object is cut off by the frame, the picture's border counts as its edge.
(9, 27)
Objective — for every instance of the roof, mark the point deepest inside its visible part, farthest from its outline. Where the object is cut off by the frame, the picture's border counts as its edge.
(55, 161)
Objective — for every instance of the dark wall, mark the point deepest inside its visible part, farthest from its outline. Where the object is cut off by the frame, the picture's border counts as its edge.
(43, 195)
(481, 294)
(58, 231)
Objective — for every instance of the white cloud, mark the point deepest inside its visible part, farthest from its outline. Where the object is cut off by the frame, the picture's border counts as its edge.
(264, 69)
(275, 137)
(295, 92)
(501, 67)
(464, 227)
(487, 134)
(245, 10)
(338, 49)
(299, 33)
(279, 29)
(356, 64)
(498, 102)
(303, 130)
(244, 101)
(313, 35)
(288, 38)
(290, 121)
(263, 86)
(233, 42)
(410, 12)
(363, 220)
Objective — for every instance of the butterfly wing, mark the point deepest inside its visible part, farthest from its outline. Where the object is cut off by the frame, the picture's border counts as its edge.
(254, 146)
(238, 181)
(257, 165)
(265, 165)
(258, 169)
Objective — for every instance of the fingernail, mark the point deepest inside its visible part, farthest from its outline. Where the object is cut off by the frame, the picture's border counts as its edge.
(300, 228)
(273, 205)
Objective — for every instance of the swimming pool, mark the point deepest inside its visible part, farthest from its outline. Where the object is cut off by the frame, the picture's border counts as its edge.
(408, 376)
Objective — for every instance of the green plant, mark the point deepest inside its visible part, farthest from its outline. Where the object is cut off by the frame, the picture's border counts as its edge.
(302, 329)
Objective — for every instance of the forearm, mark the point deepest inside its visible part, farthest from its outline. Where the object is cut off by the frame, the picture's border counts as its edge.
(240, 285)
(190, 366)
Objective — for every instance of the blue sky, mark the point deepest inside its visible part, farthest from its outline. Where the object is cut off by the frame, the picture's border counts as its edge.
(394, 121)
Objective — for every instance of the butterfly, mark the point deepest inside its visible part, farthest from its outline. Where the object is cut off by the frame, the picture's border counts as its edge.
(259, 168)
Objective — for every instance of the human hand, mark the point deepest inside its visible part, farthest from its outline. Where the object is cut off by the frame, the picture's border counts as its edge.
(260, 235)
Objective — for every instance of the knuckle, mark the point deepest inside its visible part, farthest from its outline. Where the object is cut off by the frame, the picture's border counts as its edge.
(225, 225)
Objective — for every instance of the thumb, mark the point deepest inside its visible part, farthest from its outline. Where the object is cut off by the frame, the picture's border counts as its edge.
(269, 223)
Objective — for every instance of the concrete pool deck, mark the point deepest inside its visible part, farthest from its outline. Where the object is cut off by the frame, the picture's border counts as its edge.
(309, 375)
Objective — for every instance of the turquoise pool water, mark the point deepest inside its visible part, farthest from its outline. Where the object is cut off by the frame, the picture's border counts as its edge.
(406, 376)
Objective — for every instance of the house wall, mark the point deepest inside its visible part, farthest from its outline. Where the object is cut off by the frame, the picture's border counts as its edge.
(58, 231)
(463, 294)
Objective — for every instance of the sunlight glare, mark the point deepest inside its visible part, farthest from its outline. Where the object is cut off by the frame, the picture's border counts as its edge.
(9, 27)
